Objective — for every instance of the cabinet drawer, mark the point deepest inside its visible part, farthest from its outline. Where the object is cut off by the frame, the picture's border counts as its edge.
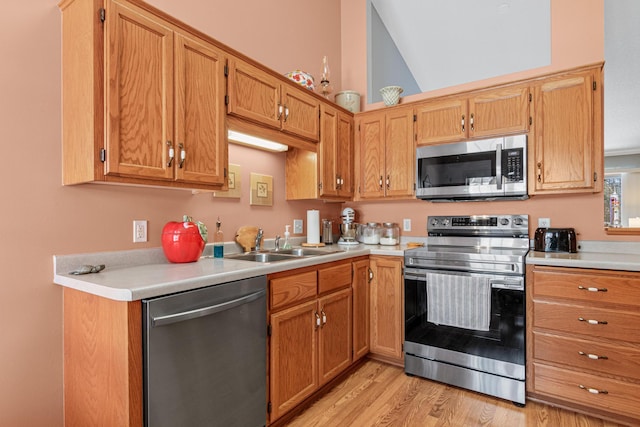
(588, 286)
(288, 290)
(614, 396)
(600, 357)
(332, 278)
(613, 324)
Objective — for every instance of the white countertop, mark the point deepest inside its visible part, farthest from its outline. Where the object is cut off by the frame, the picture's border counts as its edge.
(144, 273)
(599, 260)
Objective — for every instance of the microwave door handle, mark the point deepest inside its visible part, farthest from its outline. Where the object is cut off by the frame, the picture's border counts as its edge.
(499, 166)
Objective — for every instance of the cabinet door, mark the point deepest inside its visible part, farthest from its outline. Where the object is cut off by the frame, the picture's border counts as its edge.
(372, 154)
(567, 146)
(361, 319)
(344, 155)
(387, 307)
(200, 113)
(442, 121)
(334, 340)
(400, 154)
(253, 94)
(301, 114)
(139, 68)
(499, 112)
(328, 149)
(293, 373)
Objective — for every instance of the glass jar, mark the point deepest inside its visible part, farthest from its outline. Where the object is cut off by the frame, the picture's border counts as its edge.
(390, 234)
(371, 233)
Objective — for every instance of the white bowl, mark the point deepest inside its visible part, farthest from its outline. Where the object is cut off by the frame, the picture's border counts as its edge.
(391, 94)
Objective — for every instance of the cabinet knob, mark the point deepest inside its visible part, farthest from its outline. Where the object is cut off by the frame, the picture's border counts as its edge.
(172, 153)
(286, 113)
(593, 390)
(317, 320)
(592, 356)
(324, 317)
(279, 111)
(583, 288)
(462, 123)
(471, 121)
(388, 181)
(183, 155)
(593, 321)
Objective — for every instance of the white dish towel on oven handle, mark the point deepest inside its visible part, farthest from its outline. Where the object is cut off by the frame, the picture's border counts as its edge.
(460, 301)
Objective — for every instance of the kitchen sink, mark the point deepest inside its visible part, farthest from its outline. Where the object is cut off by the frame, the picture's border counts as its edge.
(302, 252)
(279, 255)
(262, 257)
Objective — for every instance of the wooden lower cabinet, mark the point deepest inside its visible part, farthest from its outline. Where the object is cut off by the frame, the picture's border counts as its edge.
(583, 344)
(361, 309)
(387, 308)
(311, 341)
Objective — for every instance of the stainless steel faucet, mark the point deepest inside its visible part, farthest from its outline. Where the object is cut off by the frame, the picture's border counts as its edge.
(259, 239)
(277, 242)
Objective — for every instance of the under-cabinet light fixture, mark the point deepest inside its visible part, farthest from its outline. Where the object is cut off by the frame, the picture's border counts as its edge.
(253, 141)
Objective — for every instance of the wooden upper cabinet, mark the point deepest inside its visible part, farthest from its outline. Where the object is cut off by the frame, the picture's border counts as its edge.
(565, 152)
(499, 112)
(260, 97)
(200, 131)
(144, 104)
(482, 114)
(386, 154)
(335, 154)
(139, 66)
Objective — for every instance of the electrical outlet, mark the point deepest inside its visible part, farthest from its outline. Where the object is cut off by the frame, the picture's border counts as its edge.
(544, 222)
(406, 224)
(297, 226)
(139, 230)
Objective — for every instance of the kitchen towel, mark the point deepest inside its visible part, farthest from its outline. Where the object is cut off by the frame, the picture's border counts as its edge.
(313, 226)
(460, 301)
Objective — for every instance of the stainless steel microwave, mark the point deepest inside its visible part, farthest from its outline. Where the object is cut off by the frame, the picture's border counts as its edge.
(485, 169)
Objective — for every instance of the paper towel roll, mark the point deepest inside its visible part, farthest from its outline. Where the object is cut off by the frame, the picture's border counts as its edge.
(313, 226)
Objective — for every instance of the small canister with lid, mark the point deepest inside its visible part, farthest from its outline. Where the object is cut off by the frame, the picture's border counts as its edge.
(371, 233)
(390, 234)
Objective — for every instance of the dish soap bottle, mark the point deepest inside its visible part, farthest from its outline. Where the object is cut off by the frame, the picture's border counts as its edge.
(218, 241)
(287, 244)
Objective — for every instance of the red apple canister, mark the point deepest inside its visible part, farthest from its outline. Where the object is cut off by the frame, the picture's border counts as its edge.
(184, 241)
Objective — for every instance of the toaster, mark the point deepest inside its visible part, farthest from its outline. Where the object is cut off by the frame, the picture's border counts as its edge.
(555, 240)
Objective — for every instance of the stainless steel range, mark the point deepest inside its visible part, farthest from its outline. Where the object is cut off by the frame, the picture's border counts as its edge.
(465, 304)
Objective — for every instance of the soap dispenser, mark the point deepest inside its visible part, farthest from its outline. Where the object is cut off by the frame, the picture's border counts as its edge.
(218, 241)
(287, 244)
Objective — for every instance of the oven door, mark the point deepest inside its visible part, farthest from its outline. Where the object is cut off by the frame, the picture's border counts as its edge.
(500, 350)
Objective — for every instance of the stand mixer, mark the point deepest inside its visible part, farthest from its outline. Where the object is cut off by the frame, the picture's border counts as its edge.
(348, 228)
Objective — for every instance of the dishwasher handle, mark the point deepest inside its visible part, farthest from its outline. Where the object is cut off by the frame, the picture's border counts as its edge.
(205, 311)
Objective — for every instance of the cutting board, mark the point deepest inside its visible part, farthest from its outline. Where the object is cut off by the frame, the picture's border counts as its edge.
(246, 237)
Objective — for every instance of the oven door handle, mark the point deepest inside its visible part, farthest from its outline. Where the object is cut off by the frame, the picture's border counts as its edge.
(499, 166)
(506, 284)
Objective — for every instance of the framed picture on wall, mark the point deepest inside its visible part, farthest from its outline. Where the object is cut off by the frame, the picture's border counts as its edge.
(234, 180)
(261, 190)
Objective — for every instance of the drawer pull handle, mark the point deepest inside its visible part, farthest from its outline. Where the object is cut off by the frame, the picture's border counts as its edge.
(593, 390)
(592, 321)
(592, 356)
(582, 288)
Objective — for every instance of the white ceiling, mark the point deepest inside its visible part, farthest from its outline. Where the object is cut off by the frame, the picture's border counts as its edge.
(445, 43)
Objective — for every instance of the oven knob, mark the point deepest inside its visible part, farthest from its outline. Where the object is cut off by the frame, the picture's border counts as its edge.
(434, 222)
(517, 220)
(504, 221)
(445, 222)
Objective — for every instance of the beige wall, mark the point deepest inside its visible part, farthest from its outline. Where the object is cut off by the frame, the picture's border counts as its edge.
(41, 218)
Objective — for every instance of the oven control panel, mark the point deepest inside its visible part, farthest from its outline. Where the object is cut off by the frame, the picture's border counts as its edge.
(476, 225)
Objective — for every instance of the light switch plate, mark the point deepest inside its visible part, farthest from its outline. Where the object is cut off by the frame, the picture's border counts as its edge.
(406, 224)
(297, 226)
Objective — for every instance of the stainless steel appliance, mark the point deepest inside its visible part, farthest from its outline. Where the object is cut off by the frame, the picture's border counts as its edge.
(465, 304)
(555, 240)
(473, 170)
(348, 228)
(204, 359)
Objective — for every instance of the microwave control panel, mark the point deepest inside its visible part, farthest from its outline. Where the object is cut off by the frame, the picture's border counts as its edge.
(512, 168)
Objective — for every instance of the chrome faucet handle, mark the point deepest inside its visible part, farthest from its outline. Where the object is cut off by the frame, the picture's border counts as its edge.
(277, 242)
(259, 239)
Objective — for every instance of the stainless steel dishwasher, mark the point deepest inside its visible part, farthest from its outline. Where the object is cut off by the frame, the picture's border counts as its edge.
(205, 356)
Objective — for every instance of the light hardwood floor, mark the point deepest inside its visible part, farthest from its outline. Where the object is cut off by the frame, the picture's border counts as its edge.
(378, 394)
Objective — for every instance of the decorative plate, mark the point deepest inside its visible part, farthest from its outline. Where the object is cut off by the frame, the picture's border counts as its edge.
(301, 77)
